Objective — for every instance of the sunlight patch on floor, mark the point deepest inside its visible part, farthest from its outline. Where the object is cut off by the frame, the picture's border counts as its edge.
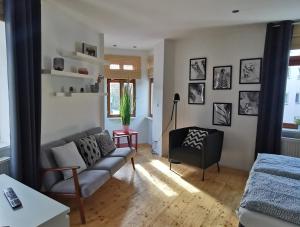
(163, 168)
(156, 182)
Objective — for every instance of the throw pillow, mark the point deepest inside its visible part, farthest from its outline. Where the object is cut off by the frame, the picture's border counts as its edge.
(66, 156)
(195, 138)
(105, 142)
(89, 150)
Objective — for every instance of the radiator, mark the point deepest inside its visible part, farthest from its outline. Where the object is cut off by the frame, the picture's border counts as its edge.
(4, 165)
(290, 146)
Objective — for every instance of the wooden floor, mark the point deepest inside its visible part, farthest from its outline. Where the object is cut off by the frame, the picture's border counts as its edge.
(155, 196)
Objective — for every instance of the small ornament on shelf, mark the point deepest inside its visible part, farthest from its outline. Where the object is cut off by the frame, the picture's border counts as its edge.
(58, 64)
(83, 71)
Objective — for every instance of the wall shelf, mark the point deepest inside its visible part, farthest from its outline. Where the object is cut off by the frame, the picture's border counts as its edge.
(68, 74)
(77, 94)
(82, 57)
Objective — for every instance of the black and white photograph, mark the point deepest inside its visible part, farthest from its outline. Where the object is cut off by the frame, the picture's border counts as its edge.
(222, 77)
(198, 69)
(196, 93)
(89, 49)
(222, 114)
(250, 70)
(248, 103)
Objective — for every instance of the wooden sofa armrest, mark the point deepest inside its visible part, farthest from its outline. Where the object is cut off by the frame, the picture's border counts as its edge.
(60, 169)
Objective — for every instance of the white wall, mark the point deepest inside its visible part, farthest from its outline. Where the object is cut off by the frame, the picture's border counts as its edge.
(62, 116)
(140, 122)
(221, 46)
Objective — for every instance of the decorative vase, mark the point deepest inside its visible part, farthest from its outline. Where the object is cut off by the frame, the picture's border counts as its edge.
(126, 128)
(58, 64)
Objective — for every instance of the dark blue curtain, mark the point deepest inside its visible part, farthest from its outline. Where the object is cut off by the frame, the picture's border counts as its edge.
(275, 66)
(23, 37)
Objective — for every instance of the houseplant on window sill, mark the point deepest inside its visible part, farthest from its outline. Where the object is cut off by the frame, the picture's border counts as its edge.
(297, 122)
(125, 108)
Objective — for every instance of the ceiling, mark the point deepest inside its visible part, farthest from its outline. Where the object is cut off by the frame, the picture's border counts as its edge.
(144, 22)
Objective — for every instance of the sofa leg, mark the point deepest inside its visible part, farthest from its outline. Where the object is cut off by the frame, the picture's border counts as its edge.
(132, 162)
(170, 165)
(218, 167)
(81, 210)
(203, 172)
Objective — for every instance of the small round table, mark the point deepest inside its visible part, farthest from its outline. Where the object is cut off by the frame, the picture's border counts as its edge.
(122, 132)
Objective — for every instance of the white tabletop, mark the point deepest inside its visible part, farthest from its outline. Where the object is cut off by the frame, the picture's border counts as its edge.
(36, 210)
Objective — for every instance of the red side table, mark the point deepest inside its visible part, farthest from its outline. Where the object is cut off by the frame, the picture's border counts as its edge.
(131, 133)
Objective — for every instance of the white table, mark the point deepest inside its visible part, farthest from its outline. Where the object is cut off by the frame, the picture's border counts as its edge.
(37, 209)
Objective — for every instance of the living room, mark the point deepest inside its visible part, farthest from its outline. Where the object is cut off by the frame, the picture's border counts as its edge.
(134, 113)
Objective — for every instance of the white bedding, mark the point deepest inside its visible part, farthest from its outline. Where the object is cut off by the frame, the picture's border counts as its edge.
(250, 218)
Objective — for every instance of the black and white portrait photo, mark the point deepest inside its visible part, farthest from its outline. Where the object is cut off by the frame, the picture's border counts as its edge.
(222, 77)
(222, 114)
(248, 103)
(198, 69)
(89, 49)
(250, 71)
(196, 93)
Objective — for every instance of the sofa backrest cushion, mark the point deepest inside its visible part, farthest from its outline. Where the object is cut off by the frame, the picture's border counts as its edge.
(105, 142)
(48, 161)
(93, 131)
(66, 156)
(75, 137)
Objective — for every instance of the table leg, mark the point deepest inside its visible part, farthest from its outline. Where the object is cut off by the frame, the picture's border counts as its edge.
(136, 142)
(118, 139)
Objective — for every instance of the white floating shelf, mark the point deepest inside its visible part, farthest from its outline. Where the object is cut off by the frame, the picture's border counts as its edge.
(76, 94)
(68, 74)
(60, 94)
(82, 57)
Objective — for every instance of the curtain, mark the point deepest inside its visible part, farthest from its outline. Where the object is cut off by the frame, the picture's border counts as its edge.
(275, 66)
(1, 10)
(23, 38)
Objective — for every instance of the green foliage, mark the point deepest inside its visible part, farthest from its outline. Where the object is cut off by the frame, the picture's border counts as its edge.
(297, 121)
(125, 106)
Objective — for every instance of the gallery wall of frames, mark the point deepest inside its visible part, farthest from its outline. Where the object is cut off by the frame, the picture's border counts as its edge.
(248, 100)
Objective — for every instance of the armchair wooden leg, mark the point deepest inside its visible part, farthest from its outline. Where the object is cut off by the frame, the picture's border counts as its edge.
(170, 165)
(218, 167)
(132, 162)
(203, 172)
(81, 210)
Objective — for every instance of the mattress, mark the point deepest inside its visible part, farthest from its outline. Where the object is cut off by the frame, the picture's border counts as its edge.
(250, 218)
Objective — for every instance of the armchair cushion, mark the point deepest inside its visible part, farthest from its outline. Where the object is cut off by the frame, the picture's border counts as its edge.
(68, 155)
(89, 150)
(105, 142)
(89, 182)
(195, 138)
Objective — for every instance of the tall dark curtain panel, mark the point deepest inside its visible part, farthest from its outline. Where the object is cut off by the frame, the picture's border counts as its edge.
(275, 66)
(23, 34)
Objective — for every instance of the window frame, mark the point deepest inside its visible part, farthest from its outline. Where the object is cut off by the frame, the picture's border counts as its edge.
(151, 81)
(121, 82)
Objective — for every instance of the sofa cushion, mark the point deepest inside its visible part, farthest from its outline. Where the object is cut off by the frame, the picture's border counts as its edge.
(89, 182)
(93, 131)
(112, 164)
(47, 161)
(89, 150)
(105, 142)
(66, 156)
(125, 152)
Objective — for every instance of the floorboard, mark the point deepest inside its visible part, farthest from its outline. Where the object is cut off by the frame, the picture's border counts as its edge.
(155, 196)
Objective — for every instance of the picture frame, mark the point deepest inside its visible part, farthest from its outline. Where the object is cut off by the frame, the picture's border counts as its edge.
(196, 93)
(89, 49)
(222, 114)
(197, 69)
(222, 77)
(248, 103)
(250, 71)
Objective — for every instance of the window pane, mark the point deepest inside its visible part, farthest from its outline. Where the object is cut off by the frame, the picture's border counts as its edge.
(292, 108)
(131, 96)
(128, 67)
(151, 98)
(114, 66)
(114, 98)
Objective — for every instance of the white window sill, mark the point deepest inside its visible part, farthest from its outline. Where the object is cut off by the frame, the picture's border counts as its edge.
(118, 118)
(149, 118)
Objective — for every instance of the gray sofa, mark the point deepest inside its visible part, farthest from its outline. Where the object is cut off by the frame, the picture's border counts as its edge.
(84, 184)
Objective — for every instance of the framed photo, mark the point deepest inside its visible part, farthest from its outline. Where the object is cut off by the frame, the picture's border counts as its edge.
(222, 77)
(248, 103)
(89, 49)
(198, 69)
(250, 70)
(222, 114)
(196, 93)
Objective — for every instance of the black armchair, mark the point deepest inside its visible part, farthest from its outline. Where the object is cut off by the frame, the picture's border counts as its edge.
(207, 156)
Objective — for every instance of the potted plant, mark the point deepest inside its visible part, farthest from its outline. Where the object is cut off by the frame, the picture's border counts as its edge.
(125, 108)
(297, 122)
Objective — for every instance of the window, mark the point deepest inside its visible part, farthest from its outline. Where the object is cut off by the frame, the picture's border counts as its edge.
(4, 105)
(297, 98)
(151, 97)
(292, 90)
(115, 90)
(128, 67)
(114, 66)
